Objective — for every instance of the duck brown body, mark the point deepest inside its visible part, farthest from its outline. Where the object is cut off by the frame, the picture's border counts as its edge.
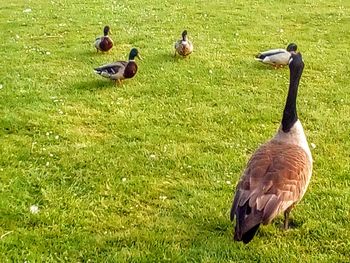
(104, 43)
(120, 70)
(130, 70)
(183, 46)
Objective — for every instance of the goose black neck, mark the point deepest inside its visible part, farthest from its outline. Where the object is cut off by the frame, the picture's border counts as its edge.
(290, 115)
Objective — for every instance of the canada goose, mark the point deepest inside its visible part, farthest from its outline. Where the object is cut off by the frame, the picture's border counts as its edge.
(104, 43)
(120, 70)
(278, 173)
(183, 46)
(277, 57)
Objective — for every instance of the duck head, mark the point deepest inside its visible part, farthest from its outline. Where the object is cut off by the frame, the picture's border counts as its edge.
(106, 30)
(292, 47)
(134, 53)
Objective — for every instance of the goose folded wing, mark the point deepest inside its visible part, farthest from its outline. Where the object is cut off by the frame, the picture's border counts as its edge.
(275, 178)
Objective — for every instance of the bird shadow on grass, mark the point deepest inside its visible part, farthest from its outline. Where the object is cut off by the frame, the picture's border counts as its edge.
(94, 58)
(261, 66)
(292, 223)
(162, 56)
(89, 52)
(94, 85)
(220, 227)
(93, 52)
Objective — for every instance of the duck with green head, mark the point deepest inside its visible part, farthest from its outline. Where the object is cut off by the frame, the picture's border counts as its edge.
(277, 57)
(104, 43)
(120, 70)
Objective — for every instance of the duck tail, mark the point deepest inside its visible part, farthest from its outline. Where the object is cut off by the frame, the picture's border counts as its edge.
(97, 71)
(259, 57)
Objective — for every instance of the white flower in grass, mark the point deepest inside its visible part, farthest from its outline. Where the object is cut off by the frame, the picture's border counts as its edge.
(162, 197)
(1, 86)
(228, 182)
(123, 179)
(152, 156)
(57, 137)
(28, 10)
(48, 163)
(34, 209)
(313, 146)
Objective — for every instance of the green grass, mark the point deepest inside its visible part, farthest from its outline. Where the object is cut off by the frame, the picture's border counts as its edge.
(180, 132)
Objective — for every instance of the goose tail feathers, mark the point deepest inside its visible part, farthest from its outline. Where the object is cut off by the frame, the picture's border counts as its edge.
(248, 221)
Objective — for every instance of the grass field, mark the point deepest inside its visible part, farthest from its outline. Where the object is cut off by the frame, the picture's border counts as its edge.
(145, 172)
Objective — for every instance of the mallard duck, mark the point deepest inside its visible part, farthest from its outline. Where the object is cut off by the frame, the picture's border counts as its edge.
(277, 57)
(120, 70)
(183, 46)
(104, 43)
(278, 173)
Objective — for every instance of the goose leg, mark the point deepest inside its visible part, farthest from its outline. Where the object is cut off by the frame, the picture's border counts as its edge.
(286, 217)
